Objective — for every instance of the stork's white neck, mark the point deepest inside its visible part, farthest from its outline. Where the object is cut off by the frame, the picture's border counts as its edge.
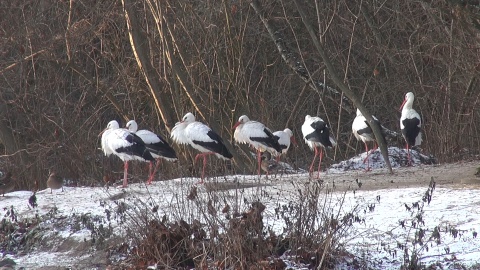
(408, 104)
(359, 113)
(409, 101)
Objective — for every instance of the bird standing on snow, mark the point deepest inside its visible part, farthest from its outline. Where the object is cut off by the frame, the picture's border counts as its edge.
(257, 135)
(125, 145)
(200, 137)
(317, 135)
(363, 132)
(155, 144)
(6, 183)
(285, 138)
(54, 181)
(410, 124)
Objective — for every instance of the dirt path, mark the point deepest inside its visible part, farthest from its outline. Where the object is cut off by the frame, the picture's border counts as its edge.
(460, 173)
(443, 174)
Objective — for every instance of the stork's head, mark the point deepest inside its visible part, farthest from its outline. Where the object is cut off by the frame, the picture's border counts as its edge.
(242, 120)
(290, 133)
(407, 101)
(132, 126)
(111, 126)
(188, 118)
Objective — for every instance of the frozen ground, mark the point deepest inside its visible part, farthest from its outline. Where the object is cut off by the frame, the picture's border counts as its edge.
(68, 241)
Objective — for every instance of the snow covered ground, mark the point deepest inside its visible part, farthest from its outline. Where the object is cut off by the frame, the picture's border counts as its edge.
(377, 239)
(455, 206)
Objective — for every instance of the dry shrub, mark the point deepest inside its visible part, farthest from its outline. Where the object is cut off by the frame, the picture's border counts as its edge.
(205, 230)
(315, 224)
(244, 241)
(172, 245)
(185, 245)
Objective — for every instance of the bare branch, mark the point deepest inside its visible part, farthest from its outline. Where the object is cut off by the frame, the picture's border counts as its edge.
(294, 63)
(139, 47)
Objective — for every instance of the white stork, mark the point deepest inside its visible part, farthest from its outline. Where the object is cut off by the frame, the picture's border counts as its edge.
(125, 145)
(410, 124)
(317, 135)
(285, 138)
(200, 137)
(155, 144)
(363, 132)
(257, 135)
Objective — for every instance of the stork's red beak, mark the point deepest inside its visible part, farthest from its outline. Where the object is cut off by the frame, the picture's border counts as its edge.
(102, 132)
(403, 103)
(236, 125)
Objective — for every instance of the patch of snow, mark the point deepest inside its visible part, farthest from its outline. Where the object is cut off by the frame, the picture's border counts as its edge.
(382, 230)
(398, 158)
(377, 238)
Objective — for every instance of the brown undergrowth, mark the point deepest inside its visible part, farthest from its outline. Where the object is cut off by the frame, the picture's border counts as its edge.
(221, 230)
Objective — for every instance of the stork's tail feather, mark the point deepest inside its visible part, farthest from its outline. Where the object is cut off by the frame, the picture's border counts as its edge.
(418, 139)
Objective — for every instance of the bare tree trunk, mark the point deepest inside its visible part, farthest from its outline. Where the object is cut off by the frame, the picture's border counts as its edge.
(345, 89)
(139, 46)
(333, 74)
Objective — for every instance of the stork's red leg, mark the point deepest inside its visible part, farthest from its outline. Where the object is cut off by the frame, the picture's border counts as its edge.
(367, 158)
(320, 163)
(125, 173)
(313, 161)
(366, 150)
(259, 160)
(158, 161)
(152, 173)
(204, 155)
